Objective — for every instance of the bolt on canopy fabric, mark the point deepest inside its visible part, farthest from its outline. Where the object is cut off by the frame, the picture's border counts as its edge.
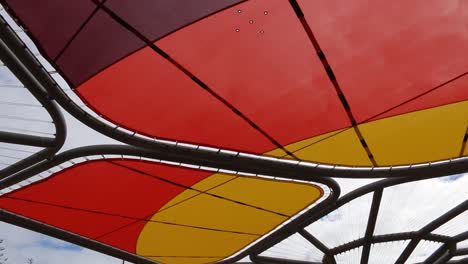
(315, 80)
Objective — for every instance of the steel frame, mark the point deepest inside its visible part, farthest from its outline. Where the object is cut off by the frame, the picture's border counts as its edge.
(31, 73)
(31, 66)
(121, 150)
(441, 255)
(51, 145)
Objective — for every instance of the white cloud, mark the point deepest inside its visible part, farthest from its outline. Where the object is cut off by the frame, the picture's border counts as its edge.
(21, 244)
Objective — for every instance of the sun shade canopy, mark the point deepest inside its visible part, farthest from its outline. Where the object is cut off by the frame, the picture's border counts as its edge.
(237, 123)
(359, 84)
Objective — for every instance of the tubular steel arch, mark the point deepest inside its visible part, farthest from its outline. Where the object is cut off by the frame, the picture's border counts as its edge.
(26, 67)
(441, 255)
(138, 152)
(51, 145)
(25, 58)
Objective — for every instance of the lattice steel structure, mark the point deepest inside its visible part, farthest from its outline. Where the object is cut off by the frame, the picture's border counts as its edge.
(271, 130)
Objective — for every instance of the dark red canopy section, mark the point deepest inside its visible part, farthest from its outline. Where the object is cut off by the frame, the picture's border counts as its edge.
(83, 40)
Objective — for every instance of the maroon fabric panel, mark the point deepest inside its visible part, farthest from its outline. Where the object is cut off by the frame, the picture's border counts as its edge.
(156, 18)
(52, 22)
(102, 42)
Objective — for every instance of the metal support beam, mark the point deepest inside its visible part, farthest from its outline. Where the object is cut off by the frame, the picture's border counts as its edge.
(10, 47)
(328, 256)
(441, 255)
(431, 227)
(314, 241)
(379, 185)
(34, 68)
(23, 139)
(387, 238)
(277, 235)
(271, 260)
(371, 221)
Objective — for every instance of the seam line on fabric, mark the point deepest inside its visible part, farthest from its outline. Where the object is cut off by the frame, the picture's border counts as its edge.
(189, 74)
(196, 190)
(162, 210)
(126, 217)
(78, 31)
(331, 75)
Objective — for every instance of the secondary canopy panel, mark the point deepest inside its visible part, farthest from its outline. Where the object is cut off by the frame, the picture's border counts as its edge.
(165, 213)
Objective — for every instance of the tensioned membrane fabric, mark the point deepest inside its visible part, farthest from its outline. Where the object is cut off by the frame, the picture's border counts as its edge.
(166, 213)
(371, 83)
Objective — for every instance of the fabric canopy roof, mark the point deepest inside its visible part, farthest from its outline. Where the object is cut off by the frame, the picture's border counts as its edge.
(249, 88)
(325, 82)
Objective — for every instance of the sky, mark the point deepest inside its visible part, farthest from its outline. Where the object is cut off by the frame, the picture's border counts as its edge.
(21, 244)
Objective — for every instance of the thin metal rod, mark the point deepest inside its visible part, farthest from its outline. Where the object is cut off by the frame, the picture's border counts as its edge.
(314, 241)
(15, 55)
(18, 150)
(387, 238)
(19, 104)
(382, 238)
(431, 227)
(25, 119)
(26, 130)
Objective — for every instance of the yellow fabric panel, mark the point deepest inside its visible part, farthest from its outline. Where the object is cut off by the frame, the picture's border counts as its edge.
(203, 185)
(301, 144)
(341, 148)
(208, 211)
(422, 136)
(166, 240)
(270, 194)
(204, 210)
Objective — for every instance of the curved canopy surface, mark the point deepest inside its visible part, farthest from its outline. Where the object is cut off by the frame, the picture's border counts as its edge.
(357, 83)
(360, 84)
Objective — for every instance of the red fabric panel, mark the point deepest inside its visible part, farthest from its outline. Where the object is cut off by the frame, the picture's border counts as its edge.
(451, 93)
(125, 237)
(385, 52)
(105, 187)
(147, 94)
(52, 22)
(156, 18)
(102, 42)
(268, 70)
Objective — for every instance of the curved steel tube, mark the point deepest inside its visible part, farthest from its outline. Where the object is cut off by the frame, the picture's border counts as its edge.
(279, 234)
(10, 45)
